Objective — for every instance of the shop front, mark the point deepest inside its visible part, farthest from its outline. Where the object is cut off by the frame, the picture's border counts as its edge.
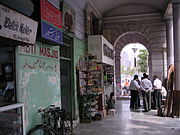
(29, 67)
(100, 47)
(39, 65)
(15, 29)
(95, 79)
(38, 79)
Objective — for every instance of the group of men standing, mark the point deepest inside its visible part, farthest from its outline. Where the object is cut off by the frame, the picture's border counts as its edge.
(150, 91)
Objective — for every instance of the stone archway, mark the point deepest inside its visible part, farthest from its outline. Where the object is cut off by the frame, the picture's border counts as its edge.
(149, 31)
(123, 40)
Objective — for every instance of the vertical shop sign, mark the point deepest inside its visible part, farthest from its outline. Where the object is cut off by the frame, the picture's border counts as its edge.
(51, 22)
(108, 51)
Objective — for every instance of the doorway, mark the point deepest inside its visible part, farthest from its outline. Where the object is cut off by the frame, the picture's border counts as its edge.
(66, 72)
(7, 76)
(134, 61)
(66, 84)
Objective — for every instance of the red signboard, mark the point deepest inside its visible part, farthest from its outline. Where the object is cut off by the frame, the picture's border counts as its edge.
(51, 14)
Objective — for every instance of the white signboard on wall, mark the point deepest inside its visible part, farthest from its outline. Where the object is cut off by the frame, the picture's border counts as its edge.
(101, 48)
(16, 26)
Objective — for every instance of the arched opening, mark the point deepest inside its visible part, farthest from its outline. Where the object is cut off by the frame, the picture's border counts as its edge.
(139, 40)
(133, 61)
(125, 39)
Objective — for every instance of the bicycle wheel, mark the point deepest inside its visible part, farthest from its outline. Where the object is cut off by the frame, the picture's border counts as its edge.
(40, 130)
(67, 126)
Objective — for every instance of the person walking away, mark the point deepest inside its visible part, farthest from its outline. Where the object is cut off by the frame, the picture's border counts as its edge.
(134, 88)
(157, 92)
(146, 87)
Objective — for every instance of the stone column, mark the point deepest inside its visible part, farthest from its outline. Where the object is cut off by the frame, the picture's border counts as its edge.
(176, 27)
(118, 67)
(165, 63)
(150, 66)
(169, 37)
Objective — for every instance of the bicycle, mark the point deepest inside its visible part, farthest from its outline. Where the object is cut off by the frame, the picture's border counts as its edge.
(56, 121)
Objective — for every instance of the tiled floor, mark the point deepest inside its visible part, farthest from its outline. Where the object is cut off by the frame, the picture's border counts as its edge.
(126, 122)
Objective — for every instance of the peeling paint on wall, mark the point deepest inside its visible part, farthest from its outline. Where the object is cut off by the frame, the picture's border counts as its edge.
(52, 80)
(39, 82)
(25, 78)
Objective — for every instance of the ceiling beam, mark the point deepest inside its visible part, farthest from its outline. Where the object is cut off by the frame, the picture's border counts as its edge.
(94, 9)
(115, 19)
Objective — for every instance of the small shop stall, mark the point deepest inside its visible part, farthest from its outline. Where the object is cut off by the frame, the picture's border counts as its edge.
(100, 47)
(95, 77)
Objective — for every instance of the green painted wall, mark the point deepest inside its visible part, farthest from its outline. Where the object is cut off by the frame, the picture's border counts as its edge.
(38, 78)
(80, 49)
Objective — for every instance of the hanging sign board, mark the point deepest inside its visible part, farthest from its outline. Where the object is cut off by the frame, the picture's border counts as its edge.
(51, 33)
(100, 47)
(109, 52)
(51, 14)
(39, 50)
(16, 26)
(51, 22)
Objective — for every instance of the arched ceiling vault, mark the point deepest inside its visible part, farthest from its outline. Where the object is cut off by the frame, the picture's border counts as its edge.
(135, 9)
(112, 8)
(134, 21)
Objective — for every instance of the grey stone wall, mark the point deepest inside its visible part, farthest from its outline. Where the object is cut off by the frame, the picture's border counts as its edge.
(78, 6)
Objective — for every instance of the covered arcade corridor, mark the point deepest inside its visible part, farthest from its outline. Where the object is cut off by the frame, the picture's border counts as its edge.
(42, 42)
(126, 122)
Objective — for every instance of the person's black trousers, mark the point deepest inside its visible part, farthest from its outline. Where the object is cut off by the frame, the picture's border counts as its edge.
(157, 98)
(134, 99)
(139, 100)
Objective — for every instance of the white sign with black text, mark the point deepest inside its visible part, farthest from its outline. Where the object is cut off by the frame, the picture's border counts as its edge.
(16, 26)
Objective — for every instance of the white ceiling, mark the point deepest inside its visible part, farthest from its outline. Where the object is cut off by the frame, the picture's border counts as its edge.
(110, 8)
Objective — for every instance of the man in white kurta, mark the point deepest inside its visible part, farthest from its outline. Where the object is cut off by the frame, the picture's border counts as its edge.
(146, 87)
(157, 92)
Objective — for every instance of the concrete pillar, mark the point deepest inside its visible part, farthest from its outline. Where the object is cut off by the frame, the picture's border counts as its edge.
(165, 64)
(150, 66)
(118, 67)
(170, 44)
(176, 27)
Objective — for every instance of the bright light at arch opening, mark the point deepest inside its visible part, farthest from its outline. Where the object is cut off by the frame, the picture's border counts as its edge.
(128, 48)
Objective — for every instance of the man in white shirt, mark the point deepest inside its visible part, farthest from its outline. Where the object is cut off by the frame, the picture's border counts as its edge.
(134, 88)
(157, 92)
(146, 87)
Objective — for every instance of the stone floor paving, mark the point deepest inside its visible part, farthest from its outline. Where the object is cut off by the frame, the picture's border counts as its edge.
(126, 122)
